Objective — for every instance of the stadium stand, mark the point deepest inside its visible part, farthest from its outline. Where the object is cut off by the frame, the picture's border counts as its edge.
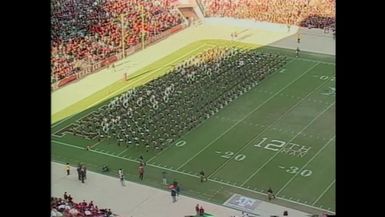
(305, 13)
(159, 112)
(87, 34)
(68, 208)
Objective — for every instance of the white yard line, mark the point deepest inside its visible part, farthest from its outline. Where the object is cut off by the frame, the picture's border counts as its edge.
(322, 194)
(123, 151)
(248, 114)
(309, 60)
(280, 117)
(94, 145)
(310, 160)
(276, 154)
(195, 176)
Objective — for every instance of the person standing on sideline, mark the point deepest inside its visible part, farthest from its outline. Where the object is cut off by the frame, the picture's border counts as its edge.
(298, 38)
(68, 169)
(65, 196)
(297, 52)
(197, 209)
(176, 187)
(82, 173)
(201, 211)
(141, 171)
(173, 195)
(121, 176)
(164, 178)
(270, 194)
(85, 172)
(79, 171)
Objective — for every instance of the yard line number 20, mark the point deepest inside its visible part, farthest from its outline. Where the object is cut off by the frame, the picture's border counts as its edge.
(229, 154)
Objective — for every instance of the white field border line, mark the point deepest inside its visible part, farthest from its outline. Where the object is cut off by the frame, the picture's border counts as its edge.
(309, 60)
(191, 175)
(96, 143)
(173, 61)
(310, 160)
(272, 157)
(248, 114)
(253, 139)
(322, 194)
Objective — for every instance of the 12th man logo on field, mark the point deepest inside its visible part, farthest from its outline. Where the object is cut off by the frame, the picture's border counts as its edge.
(332, 91)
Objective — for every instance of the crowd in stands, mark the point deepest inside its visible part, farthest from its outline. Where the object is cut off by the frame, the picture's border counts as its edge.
(159, 112)
(306, 13)
(87, 31)
(66, 207)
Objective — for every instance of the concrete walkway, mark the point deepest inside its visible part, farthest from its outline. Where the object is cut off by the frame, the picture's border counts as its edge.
(135, 200)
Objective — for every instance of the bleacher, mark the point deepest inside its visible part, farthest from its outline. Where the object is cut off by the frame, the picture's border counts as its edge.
(66, 207)
(305, 13)
(88, 35)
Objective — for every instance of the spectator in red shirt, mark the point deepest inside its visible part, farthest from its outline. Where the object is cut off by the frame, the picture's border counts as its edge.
(201, 211)
(197, 209)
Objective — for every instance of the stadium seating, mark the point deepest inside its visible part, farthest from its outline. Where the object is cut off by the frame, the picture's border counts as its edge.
(68, 208)
(86, 32)
(306, 13)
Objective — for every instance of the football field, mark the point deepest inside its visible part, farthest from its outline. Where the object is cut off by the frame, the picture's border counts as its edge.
(280, 134)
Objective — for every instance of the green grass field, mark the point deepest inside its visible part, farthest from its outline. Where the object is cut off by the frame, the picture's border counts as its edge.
(280, 134)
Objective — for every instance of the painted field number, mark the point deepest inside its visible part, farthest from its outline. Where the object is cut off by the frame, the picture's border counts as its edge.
(303, 173)
(229, 154)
